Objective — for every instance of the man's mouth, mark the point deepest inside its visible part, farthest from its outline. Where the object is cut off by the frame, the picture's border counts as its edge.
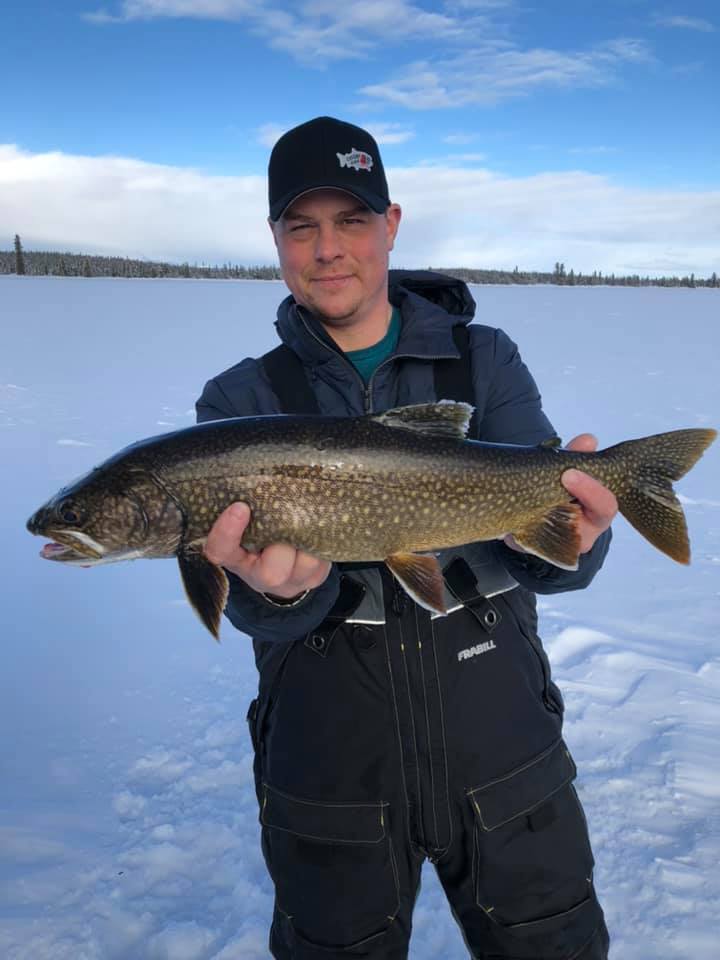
(334, 281)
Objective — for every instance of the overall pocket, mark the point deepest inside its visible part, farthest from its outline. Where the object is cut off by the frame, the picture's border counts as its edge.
(333, 868)
(532, 858)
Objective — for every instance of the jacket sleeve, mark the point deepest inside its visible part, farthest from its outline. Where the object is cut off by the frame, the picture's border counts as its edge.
(246, 609)
(512, 412)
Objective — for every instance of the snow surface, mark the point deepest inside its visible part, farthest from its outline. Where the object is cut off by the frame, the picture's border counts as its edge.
(128, 823)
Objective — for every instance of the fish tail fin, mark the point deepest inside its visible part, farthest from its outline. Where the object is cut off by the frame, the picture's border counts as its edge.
(645, 493)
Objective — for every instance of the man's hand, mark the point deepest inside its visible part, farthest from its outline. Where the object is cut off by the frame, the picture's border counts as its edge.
(598, 503)
(279, 570)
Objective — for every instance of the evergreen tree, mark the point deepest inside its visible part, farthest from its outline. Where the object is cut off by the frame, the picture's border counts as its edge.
(19, 257)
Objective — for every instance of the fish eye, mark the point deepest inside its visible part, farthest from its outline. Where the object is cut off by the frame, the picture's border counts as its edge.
(69, 513)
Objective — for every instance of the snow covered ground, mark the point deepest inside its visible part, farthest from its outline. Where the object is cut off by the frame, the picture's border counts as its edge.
(128, 826)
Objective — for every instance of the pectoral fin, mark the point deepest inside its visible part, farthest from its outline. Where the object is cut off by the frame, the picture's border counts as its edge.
(554, 536)
(206, 587)
(421, 577)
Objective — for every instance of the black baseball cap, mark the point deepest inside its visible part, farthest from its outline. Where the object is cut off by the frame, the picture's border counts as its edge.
(326, 152)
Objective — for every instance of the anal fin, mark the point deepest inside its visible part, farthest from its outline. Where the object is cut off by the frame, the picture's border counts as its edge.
(206, 587)
(421, 577)
(553, 536)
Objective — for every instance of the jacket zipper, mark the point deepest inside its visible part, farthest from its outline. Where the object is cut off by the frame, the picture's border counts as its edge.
(367, 387)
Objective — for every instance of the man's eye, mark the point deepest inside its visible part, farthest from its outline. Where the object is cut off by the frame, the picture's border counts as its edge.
(354, 220)
(299, 227)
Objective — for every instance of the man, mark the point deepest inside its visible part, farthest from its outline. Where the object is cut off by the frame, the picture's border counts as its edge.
(384, 735)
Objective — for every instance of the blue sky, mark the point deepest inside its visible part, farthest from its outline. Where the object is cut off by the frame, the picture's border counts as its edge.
(620, 95)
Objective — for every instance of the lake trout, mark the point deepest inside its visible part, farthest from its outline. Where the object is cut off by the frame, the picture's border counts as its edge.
(391, 487)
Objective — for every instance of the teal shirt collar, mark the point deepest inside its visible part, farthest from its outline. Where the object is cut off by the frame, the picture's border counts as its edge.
(367, 361)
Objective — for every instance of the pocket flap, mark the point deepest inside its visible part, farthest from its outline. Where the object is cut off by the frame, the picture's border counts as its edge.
(524, 789)
(331, 822)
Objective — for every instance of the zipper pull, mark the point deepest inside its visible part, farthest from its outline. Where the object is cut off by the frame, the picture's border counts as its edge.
(367, 399)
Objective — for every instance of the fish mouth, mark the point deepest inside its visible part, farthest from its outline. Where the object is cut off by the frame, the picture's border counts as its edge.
(64, 554)
(79, 550)
(72, 547)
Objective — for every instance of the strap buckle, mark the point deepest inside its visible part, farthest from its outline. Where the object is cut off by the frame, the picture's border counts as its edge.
(462, 584)
(349, 597)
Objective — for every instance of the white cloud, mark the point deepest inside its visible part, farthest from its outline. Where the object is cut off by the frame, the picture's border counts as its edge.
(474, 61)
(598, 149)
(685, 23)
(478, 218)
(470, 158)
(269, 133)
(455, 214)
(315, 32)
(460, 139)
(128, 805)
(487, 76)
(123, 206)
(389, 133)
(195, 9)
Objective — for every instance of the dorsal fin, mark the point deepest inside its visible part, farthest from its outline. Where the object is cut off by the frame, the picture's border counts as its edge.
(444, 419)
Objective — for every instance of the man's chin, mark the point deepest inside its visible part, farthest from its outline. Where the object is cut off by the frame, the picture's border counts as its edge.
(337, 319)
(334, 312)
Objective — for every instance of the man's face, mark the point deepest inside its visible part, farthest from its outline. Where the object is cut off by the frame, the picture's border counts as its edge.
(333, 254)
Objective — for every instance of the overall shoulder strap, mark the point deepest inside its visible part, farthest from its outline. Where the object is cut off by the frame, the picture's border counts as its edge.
(289, 381)
(453, 378)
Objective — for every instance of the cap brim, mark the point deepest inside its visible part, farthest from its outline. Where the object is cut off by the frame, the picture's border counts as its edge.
(368, 197)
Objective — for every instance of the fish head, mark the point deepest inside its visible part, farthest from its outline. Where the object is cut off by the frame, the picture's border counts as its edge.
(105, 517)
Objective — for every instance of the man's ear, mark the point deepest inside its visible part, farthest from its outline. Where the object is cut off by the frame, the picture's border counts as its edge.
(393, 215)
(272, 225)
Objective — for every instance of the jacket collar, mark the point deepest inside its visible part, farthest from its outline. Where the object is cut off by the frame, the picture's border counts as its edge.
(426, 330)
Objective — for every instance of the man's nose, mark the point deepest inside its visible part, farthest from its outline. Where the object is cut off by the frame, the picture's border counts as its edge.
(329, 243)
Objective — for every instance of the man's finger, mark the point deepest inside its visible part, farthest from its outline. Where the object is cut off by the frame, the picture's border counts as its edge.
(275, 566)
(223, 540)
(599, 503)
(583, 443)
(310, 569)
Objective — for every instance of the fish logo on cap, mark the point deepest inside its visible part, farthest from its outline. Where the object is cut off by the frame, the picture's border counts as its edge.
(356, 159)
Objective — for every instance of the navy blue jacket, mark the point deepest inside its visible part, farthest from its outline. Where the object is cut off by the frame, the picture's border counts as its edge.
(508, 407)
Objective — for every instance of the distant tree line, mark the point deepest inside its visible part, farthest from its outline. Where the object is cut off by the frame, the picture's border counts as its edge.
(52, 263)
(44, 263)
(571, 279)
